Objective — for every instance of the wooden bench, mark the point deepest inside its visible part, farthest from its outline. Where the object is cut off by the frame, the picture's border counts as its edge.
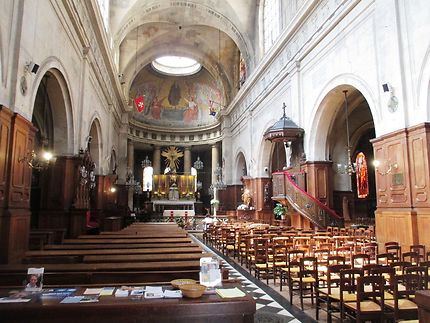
(128, 241)
(74, 256)
(109, 309)
(113, 259)
(57, 234)
(136, 235)
(120, 246)
(144, 258)
(103, 273)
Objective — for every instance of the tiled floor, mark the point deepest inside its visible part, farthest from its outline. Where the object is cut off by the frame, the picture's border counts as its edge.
(271, 306)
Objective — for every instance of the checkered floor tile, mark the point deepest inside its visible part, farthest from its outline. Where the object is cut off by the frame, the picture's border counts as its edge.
(265, 303)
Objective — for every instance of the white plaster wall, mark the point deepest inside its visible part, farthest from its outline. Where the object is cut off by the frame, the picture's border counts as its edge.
(247, 138)
(376, 42)
(7, 34)
(346, 56)
(414, 37)
(48, 40)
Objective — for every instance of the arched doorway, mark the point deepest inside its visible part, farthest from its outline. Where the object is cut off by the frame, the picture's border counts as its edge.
(52, 118)
(94, 144)
(241, 168)
(353, 123)
(44, 139)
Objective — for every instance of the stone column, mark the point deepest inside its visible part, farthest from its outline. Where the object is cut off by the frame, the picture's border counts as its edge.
(187, 161)
(130, 168)
(215, 154)
(156, 160)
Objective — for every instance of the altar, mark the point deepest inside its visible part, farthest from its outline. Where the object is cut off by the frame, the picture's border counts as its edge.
(178, 213)
(160, 206)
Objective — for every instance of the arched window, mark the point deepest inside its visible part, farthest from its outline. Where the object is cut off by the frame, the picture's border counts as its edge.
(147, 178)
(271, 23)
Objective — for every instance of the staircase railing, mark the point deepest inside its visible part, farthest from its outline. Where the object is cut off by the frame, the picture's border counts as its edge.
(284, 188)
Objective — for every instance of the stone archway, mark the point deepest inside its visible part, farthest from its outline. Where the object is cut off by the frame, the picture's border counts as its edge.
(343, 187)
(95, 144)
(50, 117)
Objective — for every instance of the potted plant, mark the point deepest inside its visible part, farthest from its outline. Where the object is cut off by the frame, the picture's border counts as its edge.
(279, 211)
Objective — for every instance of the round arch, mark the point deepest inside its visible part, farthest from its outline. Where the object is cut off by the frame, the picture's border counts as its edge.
(267, 149)
(62, 111)
(241, 167)
(329, 141)
(316, 142)
(95, 144)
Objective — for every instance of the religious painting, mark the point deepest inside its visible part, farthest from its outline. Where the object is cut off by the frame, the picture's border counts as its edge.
(177, 101)
(362, 176)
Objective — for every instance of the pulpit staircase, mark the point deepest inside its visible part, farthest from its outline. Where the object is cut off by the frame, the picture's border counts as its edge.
(287, 192)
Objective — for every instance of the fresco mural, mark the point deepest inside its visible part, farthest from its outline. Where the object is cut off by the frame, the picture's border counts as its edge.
(176, 101)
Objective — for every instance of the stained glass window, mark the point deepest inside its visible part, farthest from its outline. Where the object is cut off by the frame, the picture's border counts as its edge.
(362, 176)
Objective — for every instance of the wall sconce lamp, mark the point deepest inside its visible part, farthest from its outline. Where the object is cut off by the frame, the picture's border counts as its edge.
(31, 67)
(34, 162)
(393, 101)
(389, 169)
(112, 189)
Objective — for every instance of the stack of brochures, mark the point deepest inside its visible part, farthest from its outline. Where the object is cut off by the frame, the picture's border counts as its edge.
(154, 292)
(230, 292)
(80, 299)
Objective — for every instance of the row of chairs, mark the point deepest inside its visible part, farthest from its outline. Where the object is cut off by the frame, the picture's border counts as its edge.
(306, 270)
(232, 241)
(370, 293)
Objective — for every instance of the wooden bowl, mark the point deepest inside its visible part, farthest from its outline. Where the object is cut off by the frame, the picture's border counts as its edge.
(192, 290)
(184, 281)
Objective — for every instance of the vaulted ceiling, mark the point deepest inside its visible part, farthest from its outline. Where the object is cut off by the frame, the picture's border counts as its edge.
(213, 32)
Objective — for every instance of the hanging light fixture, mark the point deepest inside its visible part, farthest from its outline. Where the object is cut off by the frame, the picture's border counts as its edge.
(350, 167)
(146, 162)
(219, 183)
(198, 164)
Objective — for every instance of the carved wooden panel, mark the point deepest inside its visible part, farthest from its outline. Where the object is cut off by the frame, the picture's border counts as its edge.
(322, 180)
(392, 187)
(419, 169)
(278, 184)
(22, 145)
(5, 134)
(317, 180)
(19, 228)
(397, 153)
(396, 225)
(423, 220)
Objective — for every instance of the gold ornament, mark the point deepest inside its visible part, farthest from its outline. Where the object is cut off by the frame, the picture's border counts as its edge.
(172, 155)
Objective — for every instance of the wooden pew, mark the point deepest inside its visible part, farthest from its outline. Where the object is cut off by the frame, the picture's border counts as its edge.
(144, 258)
(41, 237)
(134, 235)
(120, 246)
(103, 273)
(125, 240)
(109, 309)
(75, 256)
(114, 259)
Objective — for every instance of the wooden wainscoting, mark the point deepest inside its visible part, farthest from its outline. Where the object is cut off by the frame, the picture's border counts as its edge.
(396, 225)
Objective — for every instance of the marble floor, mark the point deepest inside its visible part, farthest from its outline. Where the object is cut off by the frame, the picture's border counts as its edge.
(272, 305)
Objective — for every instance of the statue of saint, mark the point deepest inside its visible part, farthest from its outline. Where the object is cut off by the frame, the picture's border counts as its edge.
(246, 198)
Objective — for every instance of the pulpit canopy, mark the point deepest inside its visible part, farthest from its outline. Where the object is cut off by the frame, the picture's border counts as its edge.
(283, 130)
